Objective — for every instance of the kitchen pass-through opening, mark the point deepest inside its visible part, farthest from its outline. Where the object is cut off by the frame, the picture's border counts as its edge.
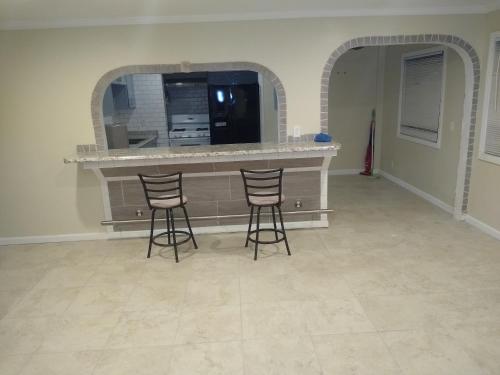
(190, 109)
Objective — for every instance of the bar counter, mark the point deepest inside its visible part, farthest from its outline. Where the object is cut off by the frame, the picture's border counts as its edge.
(212, 182)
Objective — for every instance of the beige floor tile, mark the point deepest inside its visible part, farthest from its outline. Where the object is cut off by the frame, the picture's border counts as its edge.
(482, 344)
(271, 288)
(8, 299)
(222, 290)
(382, 280)
(166, 297)
(207, 359)
(20, 278)
(66, 277)
(404, 312)
(140, 329)
(101, 299)
(426, 353)
(80, 333)
(118, 273)
(12, 364)
(209, 324)
(75, 363)
(213, 267)
(217, 245)
(125, 251)
(23, 335)
(270, 319)
(44, 302)
(143, 361)
(355, 354)
(85, 253)
(291, 356)
(389, 261)
(332, 316)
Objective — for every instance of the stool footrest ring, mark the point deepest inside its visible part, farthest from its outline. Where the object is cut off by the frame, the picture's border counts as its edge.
(177, 233)
(281, 238)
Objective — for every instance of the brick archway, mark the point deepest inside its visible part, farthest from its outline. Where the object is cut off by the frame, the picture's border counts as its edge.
(106, 79)
(472, 76)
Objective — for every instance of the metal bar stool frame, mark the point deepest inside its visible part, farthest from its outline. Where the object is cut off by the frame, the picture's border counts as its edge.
(266, 185)
(166, 188)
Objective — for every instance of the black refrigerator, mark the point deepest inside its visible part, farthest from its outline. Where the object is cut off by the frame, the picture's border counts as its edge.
(234, 103)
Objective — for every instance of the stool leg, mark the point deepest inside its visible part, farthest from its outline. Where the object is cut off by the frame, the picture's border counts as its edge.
(284, 233)
(257, 234)
(189, 226)
(249, 226)
(167, 217)
(151, 231)
(173, 235)
(274, 223)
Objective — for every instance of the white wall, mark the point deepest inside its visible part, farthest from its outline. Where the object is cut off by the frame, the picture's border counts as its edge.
(47, 78)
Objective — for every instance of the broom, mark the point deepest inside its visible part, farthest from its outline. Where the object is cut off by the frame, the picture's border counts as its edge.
(370, 150)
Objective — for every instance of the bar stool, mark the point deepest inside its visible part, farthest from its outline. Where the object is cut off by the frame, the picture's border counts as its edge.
(165, 192)
(263, 188)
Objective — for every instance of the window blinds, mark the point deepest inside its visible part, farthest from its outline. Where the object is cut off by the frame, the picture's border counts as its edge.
(492, 144)
(421, 96)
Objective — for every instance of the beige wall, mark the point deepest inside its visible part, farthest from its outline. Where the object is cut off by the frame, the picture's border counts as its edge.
(47, 78)
(484, 199)
(429, 169)
(352, 97)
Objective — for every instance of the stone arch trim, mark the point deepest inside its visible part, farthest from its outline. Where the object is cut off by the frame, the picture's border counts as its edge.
(472, 68)
(106, 79)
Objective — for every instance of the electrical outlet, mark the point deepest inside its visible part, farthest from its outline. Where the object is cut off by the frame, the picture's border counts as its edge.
(296, 132)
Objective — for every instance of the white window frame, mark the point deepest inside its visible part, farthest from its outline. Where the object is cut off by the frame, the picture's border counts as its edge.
(421, 53)
(494, 38)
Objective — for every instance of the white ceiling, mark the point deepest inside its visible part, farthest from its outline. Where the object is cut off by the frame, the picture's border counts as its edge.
(26, 14)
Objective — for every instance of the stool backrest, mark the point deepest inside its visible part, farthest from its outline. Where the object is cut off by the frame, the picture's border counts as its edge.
(263, 183)
(162, 187)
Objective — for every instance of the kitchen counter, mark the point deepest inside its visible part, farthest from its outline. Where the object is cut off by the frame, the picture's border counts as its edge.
(191, 154)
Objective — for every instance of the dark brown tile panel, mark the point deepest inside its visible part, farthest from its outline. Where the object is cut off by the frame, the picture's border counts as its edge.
(302, 184)
(235, 207)
(115, 193)
(133, 193)
(206, 188)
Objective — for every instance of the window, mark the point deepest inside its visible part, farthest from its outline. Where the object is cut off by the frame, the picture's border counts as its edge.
(421, 96)
(490, 131)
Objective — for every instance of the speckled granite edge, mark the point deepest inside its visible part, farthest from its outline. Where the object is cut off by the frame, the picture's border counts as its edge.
(199, 152)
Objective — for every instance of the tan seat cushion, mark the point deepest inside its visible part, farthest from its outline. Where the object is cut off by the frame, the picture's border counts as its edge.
(265, 201)
(168, 203)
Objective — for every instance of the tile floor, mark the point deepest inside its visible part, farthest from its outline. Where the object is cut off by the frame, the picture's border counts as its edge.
(394, 286)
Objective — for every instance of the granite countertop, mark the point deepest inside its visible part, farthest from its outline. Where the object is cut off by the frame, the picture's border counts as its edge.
(135, 154)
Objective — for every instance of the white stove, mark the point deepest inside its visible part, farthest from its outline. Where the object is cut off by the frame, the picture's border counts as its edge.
(190, 130)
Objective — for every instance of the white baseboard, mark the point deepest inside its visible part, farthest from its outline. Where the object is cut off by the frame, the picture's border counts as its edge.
(145, 233)
(53, 238)
(482, 226)
(344, 172)
(422, 194)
